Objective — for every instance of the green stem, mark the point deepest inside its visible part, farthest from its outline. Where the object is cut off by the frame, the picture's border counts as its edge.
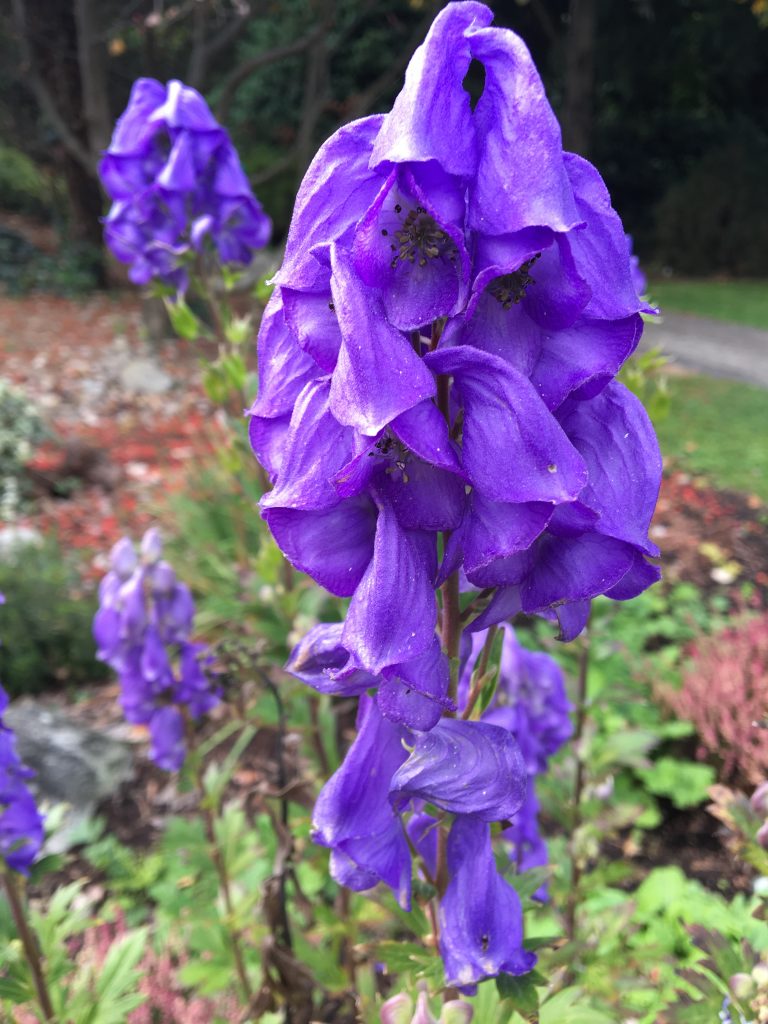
(29, 942)
(478, 680)
(219, 862)
(578, 788)
(451, 628)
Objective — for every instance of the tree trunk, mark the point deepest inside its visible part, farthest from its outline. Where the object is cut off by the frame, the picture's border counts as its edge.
(67, 73)
(579, 76)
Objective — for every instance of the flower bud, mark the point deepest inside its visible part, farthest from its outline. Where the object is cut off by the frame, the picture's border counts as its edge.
(162, 578)
(759, 799)
(742, 985)
(397, 1010)
(456, 1012)
(423, 1014)
(151, 546)
(122, 558)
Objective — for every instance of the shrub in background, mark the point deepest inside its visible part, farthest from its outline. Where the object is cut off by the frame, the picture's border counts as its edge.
(47, 639)
(725, 695)
(716, 219)
(21, 430)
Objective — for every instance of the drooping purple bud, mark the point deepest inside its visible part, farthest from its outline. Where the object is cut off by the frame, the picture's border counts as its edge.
(151, 546)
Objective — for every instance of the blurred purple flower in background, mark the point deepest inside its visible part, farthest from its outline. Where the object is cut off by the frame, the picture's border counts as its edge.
(175, 180)
(21, 824)
(142, 630)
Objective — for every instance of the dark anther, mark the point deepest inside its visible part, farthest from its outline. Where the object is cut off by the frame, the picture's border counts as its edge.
(384, 231)
(485, 942)
(331, 307)
(510, 289)
(420, 239)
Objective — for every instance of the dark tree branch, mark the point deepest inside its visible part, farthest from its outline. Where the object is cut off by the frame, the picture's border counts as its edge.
(204, 50)
(544, 19)
(261, 60)
(361, 104)
(91, 53)
(74, 146)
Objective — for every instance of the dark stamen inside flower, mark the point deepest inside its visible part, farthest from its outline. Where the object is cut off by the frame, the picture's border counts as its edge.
(331, 307)
(420, 238)
(509, 289)
(395, 452)
(485, 942)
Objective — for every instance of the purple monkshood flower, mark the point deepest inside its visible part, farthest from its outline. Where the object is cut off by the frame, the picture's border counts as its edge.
(437, 400)
(142, 630)
(439, 356)
(175, 181)
(21, 824)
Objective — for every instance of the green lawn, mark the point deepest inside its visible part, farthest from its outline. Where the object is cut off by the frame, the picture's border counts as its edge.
(719, 428)
(741, 302)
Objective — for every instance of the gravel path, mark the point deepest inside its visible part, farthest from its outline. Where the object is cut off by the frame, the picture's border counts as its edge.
(712, 346)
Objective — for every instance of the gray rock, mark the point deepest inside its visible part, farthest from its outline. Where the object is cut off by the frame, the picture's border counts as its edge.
(73, 764)
(143, 376)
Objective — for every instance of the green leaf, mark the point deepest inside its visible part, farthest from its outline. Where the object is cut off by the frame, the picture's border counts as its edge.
(526, 883)
(520, 992)
(403, 956)
(183, 321)
(685, 783)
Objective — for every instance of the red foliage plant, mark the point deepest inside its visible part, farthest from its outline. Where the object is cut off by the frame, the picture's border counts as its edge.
(725, 695)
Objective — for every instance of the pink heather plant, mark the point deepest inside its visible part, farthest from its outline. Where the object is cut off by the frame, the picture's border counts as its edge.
(725, 695)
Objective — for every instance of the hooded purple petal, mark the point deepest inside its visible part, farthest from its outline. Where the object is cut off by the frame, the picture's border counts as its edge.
(465, 768)
(392, 615)
(431, 119)
(352, 813)
(496, 530)
(415, 693)
(507, 425)
(334, 547)
(521, 179)
(315, 448)
(574, 569)
(616, 440)
(336, 191)
(319, 659)
(378, 374)
(600, 248)
(481, 921)
(589, 353)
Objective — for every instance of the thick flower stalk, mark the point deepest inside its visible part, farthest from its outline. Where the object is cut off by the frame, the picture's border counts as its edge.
(438, 413)
(175, 182)
(142, 630)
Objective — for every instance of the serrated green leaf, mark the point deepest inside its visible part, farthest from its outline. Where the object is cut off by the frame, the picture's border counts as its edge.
(520, 993)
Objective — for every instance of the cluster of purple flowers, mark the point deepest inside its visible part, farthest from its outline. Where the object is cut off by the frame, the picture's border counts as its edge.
(142, 630)
(437, 402)
(21, 824)
(175, 179)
